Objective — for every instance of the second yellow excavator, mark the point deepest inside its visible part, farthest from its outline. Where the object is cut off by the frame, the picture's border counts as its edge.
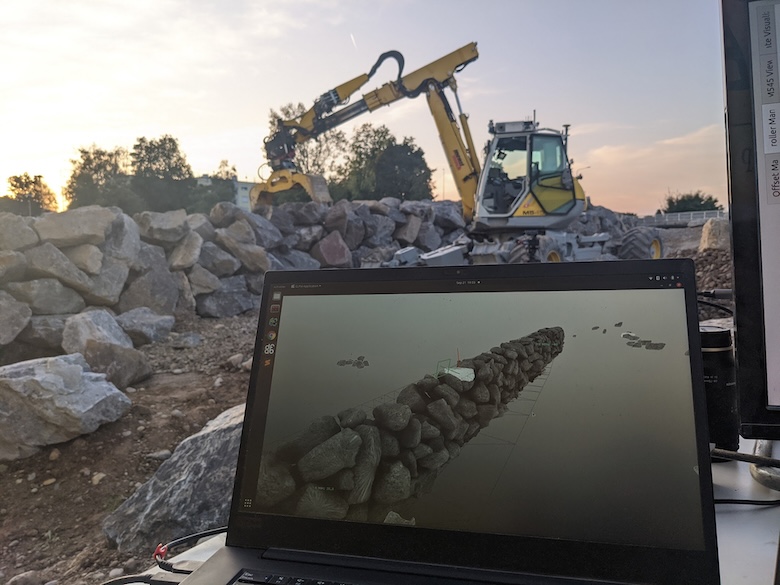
(516, 206)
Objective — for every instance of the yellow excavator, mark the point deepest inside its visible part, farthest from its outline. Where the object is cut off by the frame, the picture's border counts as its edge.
(516, 206)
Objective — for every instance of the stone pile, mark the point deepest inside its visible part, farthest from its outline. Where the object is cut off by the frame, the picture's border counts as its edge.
(355, 467)
(347, 465)
(146, 267)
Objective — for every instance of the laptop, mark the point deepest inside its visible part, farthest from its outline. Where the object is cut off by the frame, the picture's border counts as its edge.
(525, 424)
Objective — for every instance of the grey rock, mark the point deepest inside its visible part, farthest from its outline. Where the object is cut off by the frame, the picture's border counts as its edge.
(311, 213)
(14, 317)
(217, 261)
(239, 240)
(254, 282)
(274, 485)
(12, 265)
(420, 209)
(407, 233)
(393, 483)
(410, 436)
(331, 251)
(319, 431)
(309, 235)
(331, 456)
(201, 225)
(198, 477)
(267, 235)
(97, 325)
(83, 225)
(47, 261)
(232, 298)
(144, 326)
(15, 234)
(202, 281)
(186, 301)
(186, 252)
(44, 330)
(434, 460)
(70, 401)
(352, 417)
(149, 257)
(86, 257)
(297, 260)
(283, 220)
(123, 366)
(442, 413)
(162, 228)
(46, 296)
(715, 235)
(123, 241)
(427, 237)
(382, 231)
(156, 289)
(106, 287)
(366, 463)
(448, 215)
(224, 213)
(392, 416)
(343, 219)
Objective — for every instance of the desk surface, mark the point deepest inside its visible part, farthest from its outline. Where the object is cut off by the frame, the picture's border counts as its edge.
(747, 535)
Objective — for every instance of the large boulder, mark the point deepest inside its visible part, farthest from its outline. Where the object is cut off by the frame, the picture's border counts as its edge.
(332, 251)
(83, 225)
(123, 241)
(14, 317)
(715, 235)
(186, 252)
(44, 331)
(52, 400)
(162, 228)
(267, 235)
(232, 298)
(343, 219)
(98, 325)
(144, 326)
(217, 261)
(86, 257)
(47, 260)
(12, 265)
(202, 282)
(107, 286)
(156, 289)
(188, 493)
(46, 296)
(201, 225)
(239, 240)
(15, 234)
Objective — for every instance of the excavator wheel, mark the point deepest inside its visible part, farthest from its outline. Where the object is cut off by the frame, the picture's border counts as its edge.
(520, 254)
(550, 250)
(641, 243)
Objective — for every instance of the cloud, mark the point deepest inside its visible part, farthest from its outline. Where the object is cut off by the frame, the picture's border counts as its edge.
(637, 178)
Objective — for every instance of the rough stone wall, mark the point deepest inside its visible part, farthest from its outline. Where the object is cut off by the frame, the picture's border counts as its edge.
(361, 468)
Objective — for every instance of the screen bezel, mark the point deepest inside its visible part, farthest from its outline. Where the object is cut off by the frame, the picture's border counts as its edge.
(498, 552)
(758, 420)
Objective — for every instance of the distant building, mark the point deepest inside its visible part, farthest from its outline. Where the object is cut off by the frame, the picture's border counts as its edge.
(242, 189)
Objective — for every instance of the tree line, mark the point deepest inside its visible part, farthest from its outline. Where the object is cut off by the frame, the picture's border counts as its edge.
(156, 176)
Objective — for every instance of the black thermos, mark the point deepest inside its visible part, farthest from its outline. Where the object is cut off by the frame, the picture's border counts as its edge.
(720, 386)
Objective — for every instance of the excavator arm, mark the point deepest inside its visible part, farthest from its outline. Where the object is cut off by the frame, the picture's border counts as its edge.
(331, 110)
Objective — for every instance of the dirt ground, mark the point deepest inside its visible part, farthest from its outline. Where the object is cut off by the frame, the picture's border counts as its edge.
(52, 504)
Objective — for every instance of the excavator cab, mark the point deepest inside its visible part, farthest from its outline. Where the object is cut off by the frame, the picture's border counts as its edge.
(528, 184)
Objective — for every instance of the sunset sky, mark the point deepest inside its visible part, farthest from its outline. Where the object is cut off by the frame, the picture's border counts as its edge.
(639, 82)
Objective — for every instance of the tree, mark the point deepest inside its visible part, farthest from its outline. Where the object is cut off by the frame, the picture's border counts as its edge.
(401, 171)
(377, 166)
(696, 201)
(220, 186)
(32, 195)
(318, 156)
(161, 175)
(102, 177)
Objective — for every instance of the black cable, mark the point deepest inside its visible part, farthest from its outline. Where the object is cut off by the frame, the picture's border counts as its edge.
(716, 306)
(162, 550)
(748, 502)
(145, 578)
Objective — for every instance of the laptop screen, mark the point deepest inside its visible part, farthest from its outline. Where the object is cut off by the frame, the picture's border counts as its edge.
(540, 402)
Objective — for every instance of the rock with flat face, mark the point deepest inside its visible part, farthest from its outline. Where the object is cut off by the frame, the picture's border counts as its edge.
(87, 257)
(47, 261)
(12, 265)
(162, 228)
(186, 252)
(123, 241)
(15, 234)
(188, 493)
(46, 296)
(51, 400)
(217, 261)
(144, 326)
(331, 251)
(156, 289)
(83, 225)
(14, 317)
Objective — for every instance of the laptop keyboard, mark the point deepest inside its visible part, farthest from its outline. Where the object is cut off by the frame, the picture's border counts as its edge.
(259, 577)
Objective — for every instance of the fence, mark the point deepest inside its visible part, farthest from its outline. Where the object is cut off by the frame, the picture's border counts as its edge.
(682, 218)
